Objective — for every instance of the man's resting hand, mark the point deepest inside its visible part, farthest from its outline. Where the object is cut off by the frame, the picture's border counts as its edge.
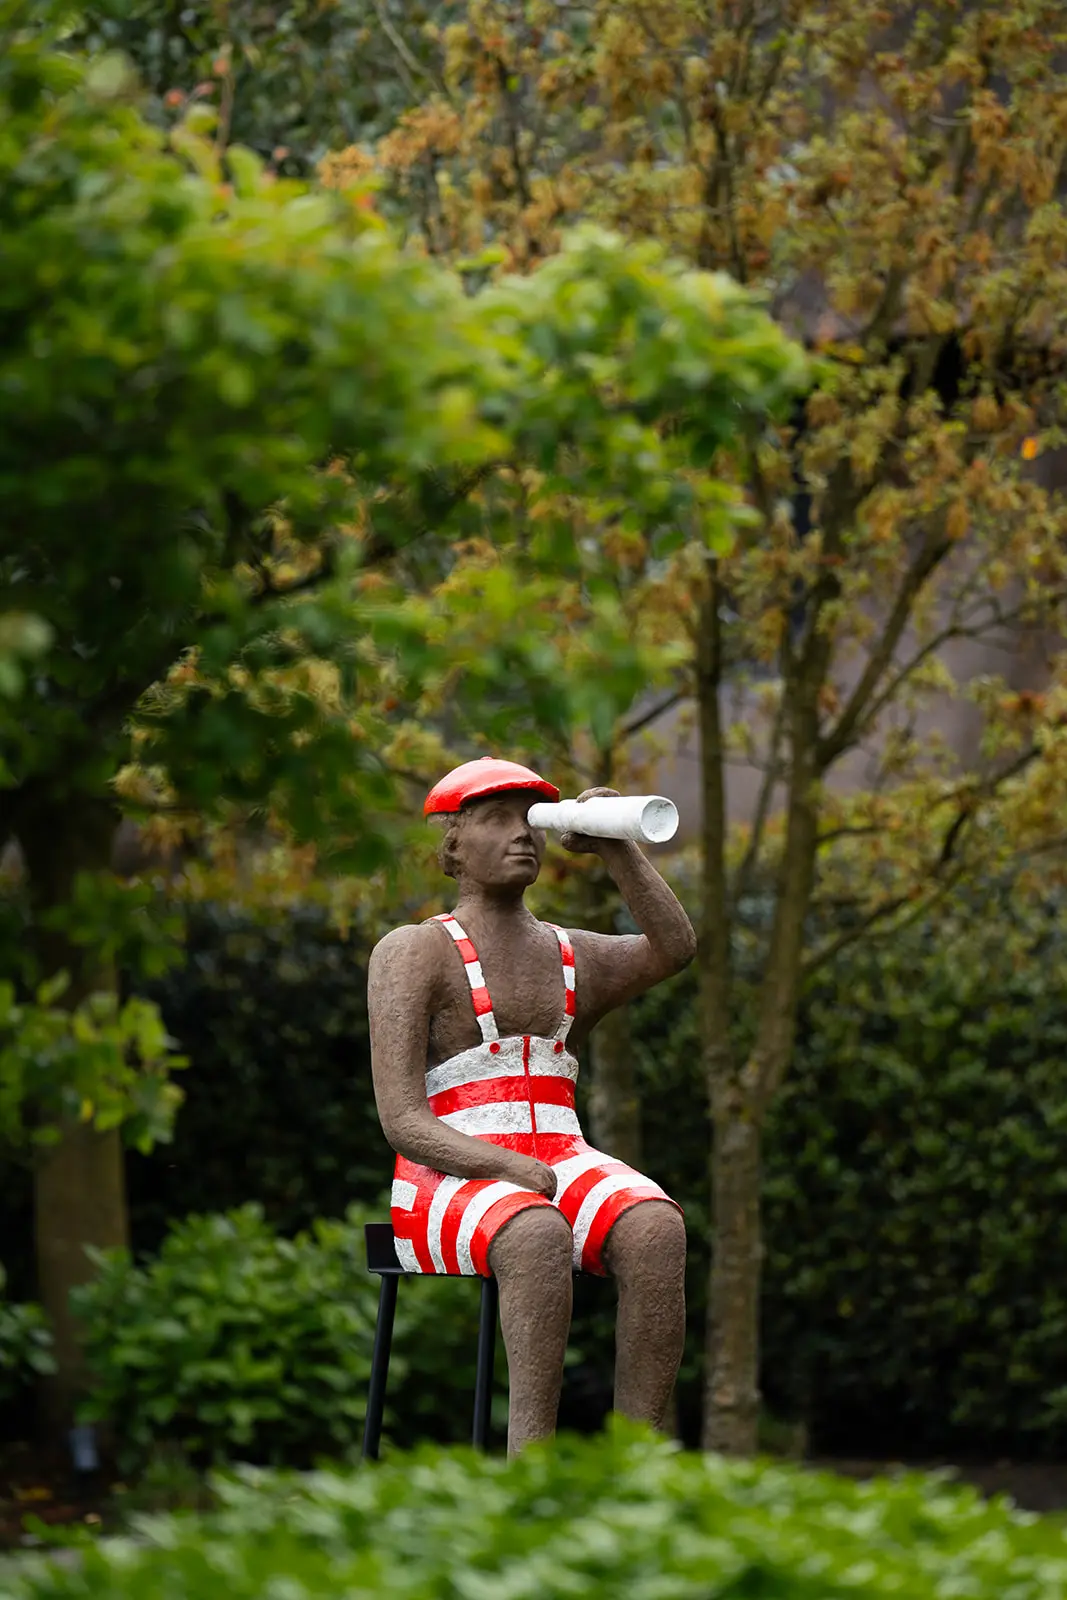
(531, 1174)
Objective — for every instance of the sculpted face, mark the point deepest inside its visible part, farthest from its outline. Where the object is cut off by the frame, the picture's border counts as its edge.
(492, 844)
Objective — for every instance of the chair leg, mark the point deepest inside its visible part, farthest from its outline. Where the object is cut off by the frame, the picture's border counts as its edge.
(483, 1380)
(379, 1366)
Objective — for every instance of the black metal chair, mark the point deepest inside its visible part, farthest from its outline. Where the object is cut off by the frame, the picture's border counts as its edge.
(382, 1259)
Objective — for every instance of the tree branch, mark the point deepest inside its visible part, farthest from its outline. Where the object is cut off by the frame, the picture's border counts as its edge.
(409, 66)
(645, 719)
(715, 928)
(513, 133)
(771, 774)
(437, 505)
(833, 744)
(879, 914)
(970, 797)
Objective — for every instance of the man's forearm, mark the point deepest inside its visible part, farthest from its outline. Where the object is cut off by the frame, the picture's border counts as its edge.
(432, 1143)
(651, 902)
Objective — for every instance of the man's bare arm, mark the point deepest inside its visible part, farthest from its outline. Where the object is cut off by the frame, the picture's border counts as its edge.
(616, 968)
(400, 982)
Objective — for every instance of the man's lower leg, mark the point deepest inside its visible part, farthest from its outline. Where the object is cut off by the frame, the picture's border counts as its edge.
(531, 1260)
(646, 1255)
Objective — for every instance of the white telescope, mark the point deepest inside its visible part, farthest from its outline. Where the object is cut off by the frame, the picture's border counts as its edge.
(647, 818)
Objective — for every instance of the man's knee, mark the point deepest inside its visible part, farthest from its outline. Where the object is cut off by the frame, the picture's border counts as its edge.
(647, 1240)
(535, 1240)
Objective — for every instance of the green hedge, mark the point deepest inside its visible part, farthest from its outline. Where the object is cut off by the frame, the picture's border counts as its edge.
(621, 1515)
(235, 1343)
(25, 1345)
(919, 1158)
(915, 1197)
(278, 1106)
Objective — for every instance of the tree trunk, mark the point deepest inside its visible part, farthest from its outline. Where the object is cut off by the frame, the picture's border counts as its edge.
(79, 1183)
(740, 1098)
(731, 1390)
(614, 1099)
(731, 1395)
(80, 1199)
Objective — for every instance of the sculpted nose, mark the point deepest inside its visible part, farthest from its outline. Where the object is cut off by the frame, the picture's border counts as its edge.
(524, 834)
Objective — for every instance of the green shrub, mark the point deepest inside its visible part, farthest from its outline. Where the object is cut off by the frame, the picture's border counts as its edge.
(25, 1345)
(915, 1194)
(621, 1515)
(278, 1105)
(236, 1343)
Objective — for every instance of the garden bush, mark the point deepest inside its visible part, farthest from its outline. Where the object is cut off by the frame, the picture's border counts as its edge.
(237, 1343)
(25, 1345)
(915, 1195)
(615, 1515)
(278, 1105)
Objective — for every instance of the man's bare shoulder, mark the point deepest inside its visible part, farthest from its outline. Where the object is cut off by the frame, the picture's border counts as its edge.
(607, 945)
(408, 948)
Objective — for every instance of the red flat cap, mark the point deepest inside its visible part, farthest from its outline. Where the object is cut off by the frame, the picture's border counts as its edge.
(487, 776)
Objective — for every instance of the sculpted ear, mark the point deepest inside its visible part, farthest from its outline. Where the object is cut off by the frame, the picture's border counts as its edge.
(446, 850)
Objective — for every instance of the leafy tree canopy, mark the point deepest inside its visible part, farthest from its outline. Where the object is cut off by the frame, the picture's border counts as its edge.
(223, 399)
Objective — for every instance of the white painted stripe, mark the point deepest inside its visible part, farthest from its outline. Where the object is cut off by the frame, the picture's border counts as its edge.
(475, 975)
(556, 1119)
(553, 1065)
(487, 1023)
(603, 1191)
(568, 977)
(574, 1167)
(473, 1066)
(453, 927)
(403, 1195)
(504, 1116)
(405, 1254)
(438, 1207)
(473, 1212)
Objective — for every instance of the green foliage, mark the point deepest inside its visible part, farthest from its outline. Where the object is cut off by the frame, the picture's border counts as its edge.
(219, 391)
(277, 1102)
(618, 1515)
(242, 325)
(237, 1343)
(914, 1184)
(232, 1341)
(918, 1189)
(661, 341)
(25, 1345)
(262, 331)
(118, 923)
(103, 1062)
(23, 639)
(294, 81)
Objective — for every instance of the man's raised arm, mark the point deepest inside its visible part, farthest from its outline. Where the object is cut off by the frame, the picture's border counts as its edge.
(615, 968)
(400, 985)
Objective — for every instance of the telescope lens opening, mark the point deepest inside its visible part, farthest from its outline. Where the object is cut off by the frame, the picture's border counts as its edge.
(659, 820)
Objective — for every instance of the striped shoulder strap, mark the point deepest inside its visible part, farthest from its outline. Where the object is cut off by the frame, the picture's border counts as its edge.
(483, 1006)
(567, 952)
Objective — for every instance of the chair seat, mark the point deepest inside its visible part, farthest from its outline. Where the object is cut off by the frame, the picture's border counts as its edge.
(381, 1251)
(382, 1260)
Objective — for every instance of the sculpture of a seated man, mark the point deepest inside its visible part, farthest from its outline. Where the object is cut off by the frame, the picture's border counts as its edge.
(476, 1019)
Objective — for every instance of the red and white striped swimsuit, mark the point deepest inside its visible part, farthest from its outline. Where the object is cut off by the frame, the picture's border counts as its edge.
(518, 1093)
